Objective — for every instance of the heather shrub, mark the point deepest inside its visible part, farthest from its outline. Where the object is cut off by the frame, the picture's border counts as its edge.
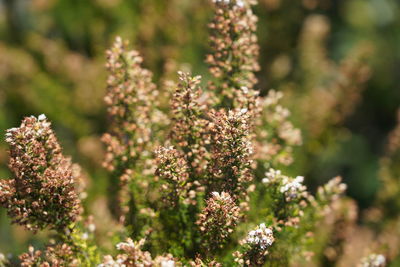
(43, 192)
(199, 167)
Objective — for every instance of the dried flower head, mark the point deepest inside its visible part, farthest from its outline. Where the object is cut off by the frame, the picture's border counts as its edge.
(234, 52)
(231, 151)
(32, 258)
(131, 94)
(131, 101)
(172, 169)
(218, 220)
(188, 130)
(43, 191)
(55, 255)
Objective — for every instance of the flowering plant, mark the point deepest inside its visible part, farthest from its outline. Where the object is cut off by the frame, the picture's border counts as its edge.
(194, 184)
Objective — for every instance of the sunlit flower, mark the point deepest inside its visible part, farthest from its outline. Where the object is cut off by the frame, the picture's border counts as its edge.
(261, 237)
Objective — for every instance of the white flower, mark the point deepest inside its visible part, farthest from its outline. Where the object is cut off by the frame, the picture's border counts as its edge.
(265, 180)
(293, 188)
(272, 174)
(168, 263)
(221, 1)
(85, 236)
(110, 262)
(240, 3)
(221, 196)
(374, 260)
(91, 227)
(9, 135)
(42, 117)
(380, 260)
(261, 236)
(293, 185)
(215, 194)
(243, 110)
(244, 88)
(128, 243)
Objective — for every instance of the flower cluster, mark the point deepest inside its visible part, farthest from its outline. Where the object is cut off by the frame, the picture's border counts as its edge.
(132, 255)
(43, 192)
(290, 198)
(262, 237)
(207, 150)
(32, 258)
(337, 214)
(198, 262)
(130, 96)
(172, 169)
(271, 175)
(276, 135)
(331, 191)
(255, 247)
(188, 132)
(231, 152)
(189, 136)
(238, 3)
(188, 126)
(218, 220)
(214, 147)
(339, 219)
(233, 59)
(207, 165)
(291, 188)
(131, 100)
(57, 255)
(373, 260)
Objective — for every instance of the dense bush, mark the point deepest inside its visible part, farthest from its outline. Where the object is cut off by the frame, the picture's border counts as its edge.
(199, 171)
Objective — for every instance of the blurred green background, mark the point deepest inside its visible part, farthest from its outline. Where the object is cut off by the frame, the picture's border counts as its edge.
(52, 56)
